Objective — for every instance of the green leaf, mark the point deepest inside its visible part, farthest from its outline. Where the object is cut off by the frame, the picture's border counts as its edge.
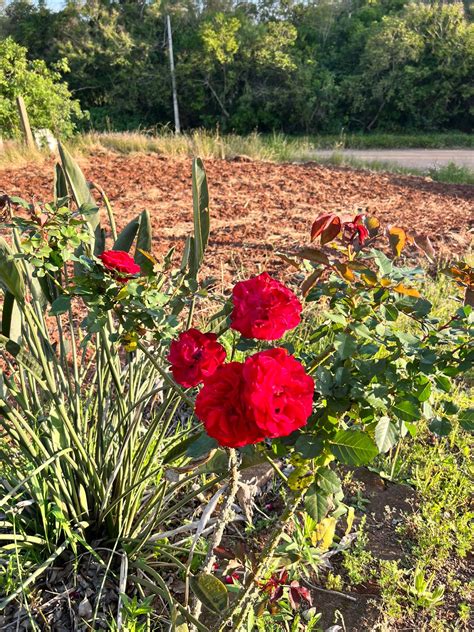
(383, 262)
(442, 427)
(406, 409)
(144, 243)
(76, 182)
(11, 318)
(126, 237)
(386, 434)
(211, 592)
(316, 503)
(424, 389)
(82, 195)
(443, 383)
(202, 445)
(60, 184)
(60, 305)
(328, 481)
(353, 447)
(11, 278)
(466, 419)
(345, 345)
(200, 213)
(309, 446)
(390, 312)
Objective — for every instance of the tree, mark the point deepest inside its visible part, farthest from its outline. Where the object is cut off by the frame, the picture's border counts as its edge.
(48, 100)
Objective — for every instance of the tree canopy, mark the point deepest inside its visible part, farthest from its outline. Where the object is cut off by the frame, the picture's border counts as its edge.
(299, 67)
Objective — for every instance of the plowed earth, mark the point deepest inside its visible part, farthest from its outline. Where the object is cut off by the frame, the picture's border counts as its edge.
(260, 207)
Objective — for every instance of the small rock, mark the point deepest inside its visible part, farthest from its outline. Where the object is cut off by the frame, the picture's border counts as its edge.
(85, 609)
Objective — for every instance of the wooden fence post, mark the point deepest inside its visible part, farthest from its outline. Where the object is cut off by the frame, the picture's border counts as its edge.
(25, 123)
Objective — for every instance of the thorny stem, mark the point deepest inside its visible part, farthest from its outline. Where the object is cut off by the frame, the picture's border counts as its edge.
(226, 516)
(246, 599)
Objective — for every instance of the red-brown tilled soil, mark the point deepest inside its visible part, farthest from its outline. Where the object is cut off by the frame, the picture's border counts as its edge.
(257, 207)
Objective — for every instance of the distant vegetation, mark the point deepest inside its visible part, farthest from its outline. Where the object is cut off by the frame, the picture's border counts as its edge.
(302, 67)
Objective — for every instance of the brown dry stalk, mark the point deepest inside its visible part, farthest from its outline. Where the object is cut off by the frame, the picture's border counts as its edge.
(225, 518)
(233, 619)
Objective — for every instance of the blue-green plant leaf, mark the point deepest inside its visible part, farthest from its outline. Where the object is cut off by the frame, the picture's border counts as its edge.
(200, 213)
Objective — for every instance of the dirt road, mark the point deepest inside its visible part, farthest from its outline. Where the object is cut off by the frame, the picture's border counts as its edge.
(423, 159)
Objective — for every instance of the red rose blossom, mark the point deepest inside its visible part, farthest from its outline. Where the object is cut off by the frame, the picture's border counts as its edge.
(219, 405)
(269, 395)
(194, 357)
(119, 262)
(278, 392)
(264, 308)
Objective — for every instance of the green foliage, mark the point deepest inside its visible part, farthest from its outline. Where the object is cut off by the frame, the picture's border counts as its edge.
(48, 101)
(91, 415)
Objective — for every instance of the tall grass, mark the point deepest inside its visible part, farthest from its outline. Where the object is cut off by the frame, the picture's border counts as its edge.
(16, 154)
(207, 144)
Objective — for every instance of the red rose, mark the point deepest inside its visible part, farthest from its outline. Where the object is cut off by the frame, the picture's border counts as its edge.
(270, 395)
(120, 262)
(264, 308)
(194, 357)
(278, 392)
(219, 405)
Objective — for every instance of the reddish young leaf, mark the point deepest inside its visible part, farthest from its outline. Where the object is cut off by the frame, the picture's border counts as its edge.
(296, 593)
(319, 225)
(332, 230)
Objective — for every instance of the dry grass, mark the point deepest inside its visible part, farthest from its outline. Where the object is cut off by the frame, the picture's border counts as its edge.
(203, 143)
(16, 154)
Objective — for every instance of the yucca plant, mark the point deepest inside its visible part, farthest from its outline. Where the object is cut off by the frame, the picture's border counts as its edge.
(89, 410)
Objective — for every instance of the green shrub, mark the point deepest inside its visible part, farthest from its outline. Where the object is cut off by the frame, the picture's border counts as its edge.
(48, 100)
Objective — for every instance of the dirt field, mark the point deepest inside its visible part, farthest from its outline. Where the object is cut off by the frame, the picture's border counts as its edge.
(257, 207)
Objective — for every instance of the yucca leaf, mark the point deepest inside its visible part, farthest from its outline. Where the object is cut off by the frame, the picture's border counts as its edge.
(200, 212)
(11, 278)
(82, 195)
(11, 318)
(76, 181)
(144, 243)
(126, 237)
(60, 184)
(188, 253)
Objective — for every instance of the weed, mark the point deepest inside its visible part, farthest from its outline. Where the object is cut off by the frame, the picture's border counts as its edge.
(358, 562)
(453, 174)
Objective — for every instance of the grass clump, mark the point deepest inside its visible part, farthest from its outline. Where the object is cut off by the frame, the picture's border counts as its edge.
(453, 174)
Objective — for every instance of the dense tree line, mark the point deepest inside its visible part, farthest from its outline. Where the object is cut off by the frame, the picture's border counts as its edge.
(312, 66)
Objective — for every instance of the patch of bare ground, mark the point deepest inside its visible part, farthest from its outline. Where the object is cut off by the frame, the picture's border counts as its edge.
(260, 207)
